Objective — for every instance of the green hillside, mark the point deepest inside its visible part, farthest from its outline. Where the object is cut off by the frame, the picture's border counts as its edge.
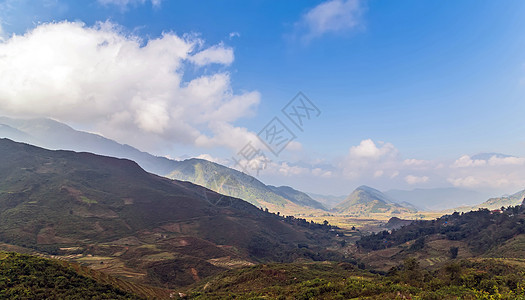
(233, 183)
(365, 200)
(297, 197)
(466, 279)
(498, 202)
(480, 233)
(29, 277)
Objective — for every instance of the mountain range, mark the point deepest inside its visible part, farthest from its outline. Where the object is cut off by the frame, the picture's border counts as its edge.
(51, 134)
(139, 225)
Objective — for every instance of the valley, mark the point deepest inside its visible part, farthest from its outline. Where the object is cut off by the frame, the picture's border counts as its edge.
(255, 150)
(110, 216)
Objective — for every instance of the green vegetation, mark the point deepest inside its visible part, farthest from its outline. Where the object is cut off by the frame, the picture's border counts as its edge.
(87, 200)
(496, 203)
(481, 229)
(485, 279)
(29, 277)
(233, 183)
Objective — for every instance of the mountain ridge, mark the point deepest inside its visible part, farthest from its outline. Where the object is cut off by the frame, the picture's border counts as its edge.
(52, 134)
(365, 200)
(161, 231)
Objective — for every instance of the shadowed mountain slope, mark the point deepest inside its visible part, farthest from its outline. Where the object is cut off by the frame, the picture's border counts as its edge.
(164, 229)
(51, 134)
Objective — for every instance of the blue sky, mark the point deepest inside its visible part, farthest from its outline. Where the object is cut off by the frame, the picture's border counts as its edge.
(419, 84)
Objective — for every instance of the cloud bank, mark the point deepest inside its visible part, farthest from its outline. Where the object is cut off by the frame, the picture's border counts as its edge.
(135, 91)
(382, 165)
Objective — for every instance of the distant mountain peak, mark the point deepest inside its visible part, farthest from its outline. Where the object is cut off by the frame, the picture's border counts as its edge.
(365, 200)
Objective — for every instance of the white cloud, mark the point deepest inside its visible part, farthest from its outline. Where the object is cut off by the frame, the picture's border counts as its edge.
(411, 179)
(294, 146)
(330, 16)
(465, 161)
(234, 34)
(214, 159)
(468, 181)
(125, 88)
(216, 54)
(368, 157)
(496, 171)
(487, 180)
(321, 173)
(288, 170)
(502, 161)
(417, 163)
(367, 149)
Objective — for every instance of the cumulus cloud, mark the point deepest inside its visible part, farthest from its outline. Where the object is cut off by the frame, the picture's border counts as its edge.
(417, 163)
(123, 87)
(494, 171)
(329, 17)
(411, 179)
(216, 54)
(367, 149)
(502, 161)
(369, 157)
(288, 169)
(465, 161)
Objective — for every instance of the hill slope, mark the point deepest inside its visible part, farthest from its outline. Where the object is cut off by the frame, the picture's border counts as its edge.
(498, 202)
(296, 196)
(151, 228)
(493, 203)
(233, 183)
(481, 279)
(29, 277)
(365, 200)
(480, 233)
(55, 135)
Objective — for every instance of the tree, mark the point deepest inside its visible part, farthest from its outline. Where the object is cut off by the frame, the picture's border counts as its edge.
(453, 252)
(418, 244)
